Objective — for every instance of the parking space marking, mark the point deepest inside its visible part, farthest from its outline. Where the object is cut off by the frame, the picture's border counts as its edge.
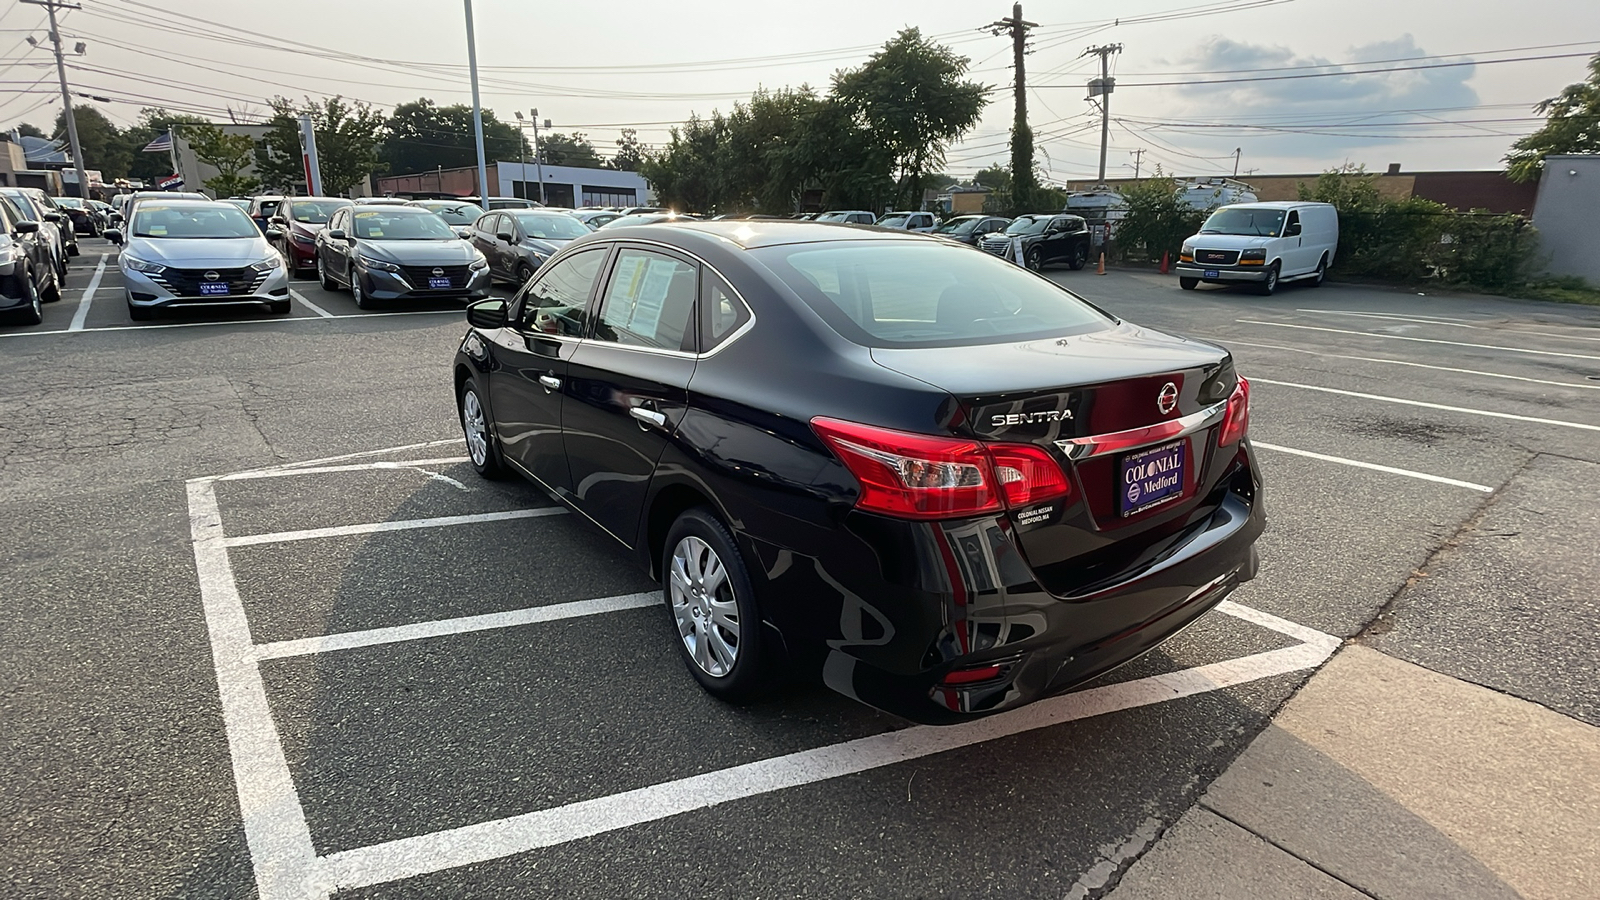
(1453, 323)
(278, 320)
(309, 305)
(553, 612)
(82, 312)
(311, 534)
(1401, 362)
(1401, 400)
(1401, 337)
(354, 467)
(1373, 466)
(409, 857)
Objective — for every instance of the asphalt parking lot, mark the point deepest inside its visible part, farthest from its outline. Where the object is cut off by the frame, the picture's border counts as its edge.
(270, 636)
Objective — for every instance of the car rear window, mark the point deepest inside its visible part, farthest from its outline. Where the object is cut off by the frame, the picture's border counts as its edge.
(926, 294)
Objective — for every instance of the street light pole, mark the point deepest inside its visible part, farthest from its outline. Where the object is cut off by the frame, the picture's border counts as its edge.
(477, 111)
(522, 156)
(66, 95)
(538, 157)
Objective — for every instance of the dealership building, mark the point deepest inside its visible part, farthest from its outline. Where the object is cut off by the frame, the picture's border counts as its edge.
(568, 186)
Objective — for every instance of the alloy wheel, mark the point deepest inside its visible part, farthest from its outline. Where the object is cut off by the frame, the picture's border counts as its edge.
(473, 425)
(704, 607)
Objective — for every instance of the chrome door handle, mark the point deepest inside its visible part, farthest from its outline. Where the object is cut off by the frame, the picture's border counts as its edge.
(648, 416)
(550, 382)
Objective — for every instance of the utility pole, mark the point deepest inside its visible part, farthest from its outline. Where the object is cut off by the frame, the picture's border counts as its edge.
(1237, 153)
(66, 95)
(477, 111)
(1102, 87)
(1022, 182)
(538, 155)
(1138, 158)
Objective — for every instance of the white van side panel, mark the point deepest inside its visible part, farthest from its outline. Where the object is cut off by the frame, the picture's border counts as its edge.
(1320, 229)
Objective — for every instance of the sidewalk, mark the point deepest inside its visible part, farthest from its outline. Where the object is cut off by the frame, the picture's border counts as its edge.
(1384, 779)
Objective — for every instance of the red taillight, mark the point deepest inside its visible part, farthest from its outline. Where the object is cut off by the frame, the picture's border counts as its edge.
(1238, 418)
(919, 476)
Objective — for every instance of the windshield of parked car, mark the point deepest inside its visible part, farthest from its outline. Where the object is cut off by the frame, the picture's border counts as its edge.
(244, 205)
(926, 294)
(1028, 225)
(316, 212)
(833, 217)
(267, 207)
(192, 220)
(893, 221)
(454, 213)
(401, 225)
(69, 202)
(638, 219)
(1244, 220)
(556, 227)
(958, 226)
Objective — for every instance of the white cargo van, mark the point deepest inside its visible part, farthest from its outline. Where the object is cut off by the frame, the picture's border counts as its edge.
(1264, 243)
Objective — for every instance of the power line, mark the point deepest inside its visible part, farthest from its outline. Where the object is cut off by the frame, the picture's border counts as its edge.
(1445, 65)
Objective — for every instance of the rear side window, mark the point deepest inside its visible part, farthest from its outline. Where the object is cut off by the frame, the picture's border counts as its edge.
(649, 302)
(558, 302)
(721, 312)
(926, 294)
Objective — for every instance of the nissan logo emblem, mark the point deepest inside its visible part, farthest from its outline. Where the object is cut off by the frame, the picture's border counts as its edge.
(212, 276)
(438, 272)
(1167, 400)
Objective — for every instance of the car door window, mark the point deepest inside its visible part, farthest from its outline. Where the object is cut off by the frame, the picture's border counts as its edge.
(558, 302)
(1293, 222)
(649, 302)
(721, 312)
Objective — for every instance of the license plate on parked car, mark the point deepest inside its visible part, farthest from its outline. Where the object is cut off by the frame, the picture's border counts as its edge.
(1152, 477)
(438, 284)
(213, 288)
(1212, 273)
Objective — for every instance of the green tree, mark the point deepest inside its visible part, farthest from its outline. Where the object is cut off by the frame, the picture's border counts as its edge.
(104, 147)
(348, 134)
(913, 98)
(630, 153)
(1157, 221)
(995, 178)
(557, 149)
(29, 130)
(230, 154)
(423, 136)
(1572, 125)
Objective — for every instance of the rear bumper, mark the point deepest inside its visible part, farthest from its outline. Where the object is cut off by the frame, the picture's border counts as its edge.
(891, 608)
(1224, 273)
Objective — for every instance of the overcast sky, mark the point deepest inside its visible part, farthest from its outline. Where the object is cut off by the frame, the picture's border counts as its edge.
(595, 67)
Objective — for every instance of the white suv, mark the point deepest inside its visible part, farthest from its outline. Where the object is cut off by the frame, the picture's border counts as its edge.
(908, 221)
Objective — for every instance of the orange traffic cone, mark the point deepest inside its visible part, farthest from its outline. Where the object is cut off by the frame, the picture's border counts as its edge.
(1165, 261)
(1102, 268)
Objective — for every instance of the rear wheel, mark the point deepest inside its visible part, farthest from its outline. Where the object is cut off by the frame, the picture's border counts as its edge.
(1080, 258)
(1266, 288)
(708, 592)
(1321, 273)
(481, 447)
(1188, 284)
(33, 313)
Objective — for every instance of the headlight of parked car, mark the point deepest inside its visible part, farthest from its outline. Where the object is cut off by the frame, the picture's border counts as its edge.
(378, 264)
(268, 264)
(1186, 253)
(305, 239)
(140, 265)
(1253, 257)
(479, 263)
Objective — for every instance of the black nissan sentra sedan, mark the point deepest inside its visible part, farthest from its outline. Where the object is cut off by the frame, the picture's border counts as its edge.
(390, 252)
(938, 481)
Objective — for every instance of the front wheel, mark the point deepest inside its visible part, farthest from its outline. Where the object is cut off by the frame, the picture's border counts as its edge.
(1035, 259)
(481, 448)
(33, 313)
(713, 606)
(1080, 258)
(140, 313)
(1188, 284)
(361, 298)
(1267, 287)
(323, 280)
(278, 307)
(524, 275)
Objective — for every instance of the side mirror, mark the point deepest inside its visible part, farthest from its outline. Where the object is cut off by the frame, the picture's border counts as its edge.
(464, 233)
(490, 313)
(27, 226)
(53, 216)
(506, 236)
(1292, 230)
(274, 233)
(278, 220)
(337, 234)
(116, 217)
(114, 235)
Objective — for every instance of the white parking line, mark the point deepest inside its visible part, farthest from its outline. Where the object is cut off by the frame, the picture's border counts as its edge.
(1373, 466)
(354, 467)
(553, 612)
(309, 305)
(1401, 337)
(279, 321)
(1401, 362)
(1453, 323)
(310, 534)
(419, 855)
(1459, 409)
(88, 296)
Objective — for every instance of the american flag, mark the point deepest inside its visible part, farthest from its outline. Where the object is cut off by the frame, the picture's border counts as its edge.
(159, 145)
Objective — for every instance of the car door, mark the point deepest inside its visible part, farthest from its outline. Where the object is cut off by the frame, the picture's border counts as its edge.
(627, 385)
(484, 240)
(341, 250)
(527, 385)
(33, 246)
(1292, 246)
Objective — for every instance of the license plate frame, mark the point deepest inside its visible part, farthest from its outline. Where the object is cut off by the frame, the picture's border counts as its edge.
(1166, 481)
(1212, 273)
(213, 289)
(438, 284)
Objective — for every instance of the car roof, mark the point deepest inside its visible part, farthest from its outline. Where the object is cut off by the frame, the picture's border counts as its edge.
(750, 234)
(1275, 204)
(387, 207)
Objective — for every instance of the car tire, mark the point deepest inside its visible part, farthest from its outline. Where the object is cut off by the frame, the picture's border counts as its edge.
(1080, 258)
(709, 595)
(323, 280)
(72, 249)
(1188, 284)
(1321, 274)
(1268, 287)
(483, 451)
(362, 300)
(33, 313)
(278, 307)
(1034, 260)
(524, 274)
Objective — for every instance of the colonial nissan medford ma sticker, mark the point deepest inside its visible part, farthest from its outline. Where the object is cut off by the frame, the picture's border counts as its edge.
(1152, 477)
